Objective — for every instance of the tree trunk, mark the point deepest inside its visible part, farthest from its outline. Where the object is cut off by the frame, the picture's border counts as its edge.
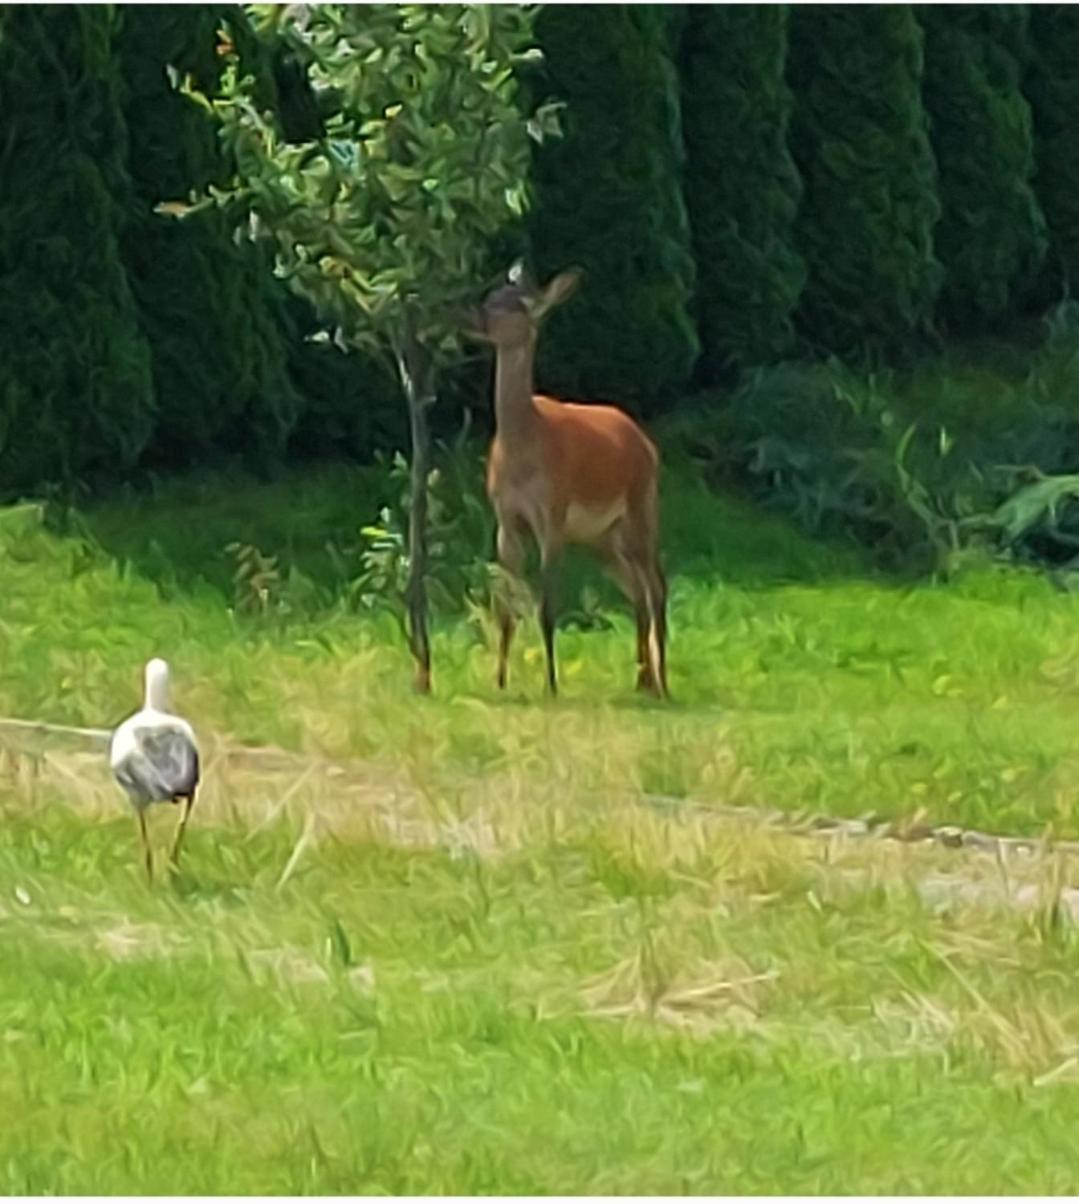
(417, 377)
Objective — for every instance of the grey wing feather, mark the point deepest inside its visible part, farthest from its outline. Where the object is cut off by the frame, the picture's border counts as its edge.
(163, 765)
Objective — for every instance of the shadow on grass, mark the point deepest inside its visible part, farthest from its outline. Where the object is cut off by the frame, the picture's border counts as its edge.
(197, 884)
(175, 532)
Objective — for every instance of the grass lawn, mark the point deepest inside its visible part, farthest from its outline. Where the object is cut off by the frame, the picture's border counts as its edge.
(457, 945)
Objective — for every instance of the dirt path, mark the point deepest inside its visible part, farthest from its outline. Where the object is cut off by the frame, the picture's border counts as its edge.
(253, 787)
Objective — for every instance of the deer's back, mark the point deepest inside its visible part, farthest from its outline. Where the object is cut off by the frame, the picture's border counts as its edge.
(589, 454)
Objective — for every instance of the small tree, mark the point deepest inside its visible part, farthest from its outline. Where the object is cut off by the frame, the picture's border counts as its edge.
(383, 212)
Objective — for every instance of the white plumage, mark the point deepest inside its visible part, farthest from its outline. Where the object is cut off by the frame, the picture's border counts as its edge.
(155, 758)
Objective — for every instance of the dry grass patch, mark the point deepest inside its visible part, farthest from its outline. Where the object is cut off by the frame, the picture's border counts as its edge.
(699, 999)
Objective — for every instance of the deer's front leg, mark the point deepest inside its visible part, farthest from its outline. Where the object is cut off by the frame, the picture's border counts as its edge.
(511, 558)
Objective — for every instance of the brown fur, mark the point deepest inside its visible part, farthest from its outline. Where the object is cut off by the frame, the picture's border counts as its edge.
(570, 474)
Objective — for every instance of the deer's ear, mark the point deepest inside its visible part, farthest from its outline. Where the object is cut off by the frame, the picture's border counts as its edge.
(556, 291)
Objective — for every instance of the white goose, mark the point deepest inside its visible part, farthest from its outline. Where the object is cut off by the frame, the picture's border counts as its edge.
(155, 758)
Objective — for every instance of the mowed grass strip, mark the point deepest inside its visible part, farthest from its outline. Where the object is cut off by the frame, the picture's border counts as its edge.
(596, 1001)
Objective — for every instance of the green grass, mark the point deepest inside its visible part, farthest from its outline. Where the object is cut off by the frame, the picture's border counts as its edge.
(467, 955)
(801, 680)
(633, 1007)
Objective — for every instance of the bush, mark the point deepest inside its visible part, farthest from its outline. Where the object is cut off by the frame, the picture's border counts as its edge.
(832, 449)
(860, 142)
(742, 188)
(919, 466)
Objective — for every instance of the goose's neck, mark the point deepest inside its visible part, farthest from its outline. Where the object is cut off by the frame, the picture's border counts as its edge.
(157, 690)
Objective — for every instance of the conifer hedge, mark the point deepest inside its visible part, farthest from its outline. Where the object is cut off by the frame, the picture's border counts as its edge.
(75, 385)
(210, 308)
(860, 141)
(991, 238)
(1052, 87)
(608, 196)
(742, 188)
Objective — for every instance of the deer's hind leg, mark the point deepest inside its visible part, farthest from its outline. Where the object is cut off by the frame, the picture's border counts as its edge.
(657, 635)
(644, 552)
(550, 558)
(621, 567)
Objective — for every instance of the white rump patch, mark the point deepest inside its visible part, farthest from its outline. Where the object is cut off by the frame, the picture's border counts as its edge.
(587, 523)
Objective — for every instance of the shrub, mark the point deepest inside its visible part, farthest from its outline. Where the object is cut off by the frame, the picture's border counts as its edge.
(832, 449)
(919, 466)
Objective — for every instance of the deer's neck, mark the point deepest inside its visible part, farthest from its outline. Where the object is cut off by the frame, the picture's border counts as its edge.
(515, 410)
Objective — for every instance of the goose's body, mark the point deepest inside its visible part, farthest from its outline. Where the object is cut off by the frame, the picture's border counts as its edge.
(154, 756)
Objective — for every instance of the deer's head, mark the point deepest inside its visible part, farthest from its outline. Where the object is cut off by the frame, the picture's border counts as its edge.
(510, 315)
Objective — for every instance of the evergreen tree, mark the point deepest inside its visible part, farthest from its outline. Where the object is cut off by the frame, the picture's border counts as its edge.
(75, 383)
(991, 238)
(1052, 86)
(608, 198)
(211, 311)
(860, 142)
(742, 188)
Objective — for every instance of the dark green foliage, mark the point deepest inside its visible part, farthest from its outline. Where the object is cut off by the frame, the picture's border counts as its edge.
(1052, 87)
(837, 452)
(75, 384)
(742, 188)
(351, 404)
(209, 307)
(920, 465)
(608, 198)
(991, 236)
(860, 142)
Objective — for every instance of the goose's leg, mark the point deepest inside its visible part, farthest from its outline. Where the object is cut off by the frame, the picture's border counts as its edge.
(144, 837)
(178, 839)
